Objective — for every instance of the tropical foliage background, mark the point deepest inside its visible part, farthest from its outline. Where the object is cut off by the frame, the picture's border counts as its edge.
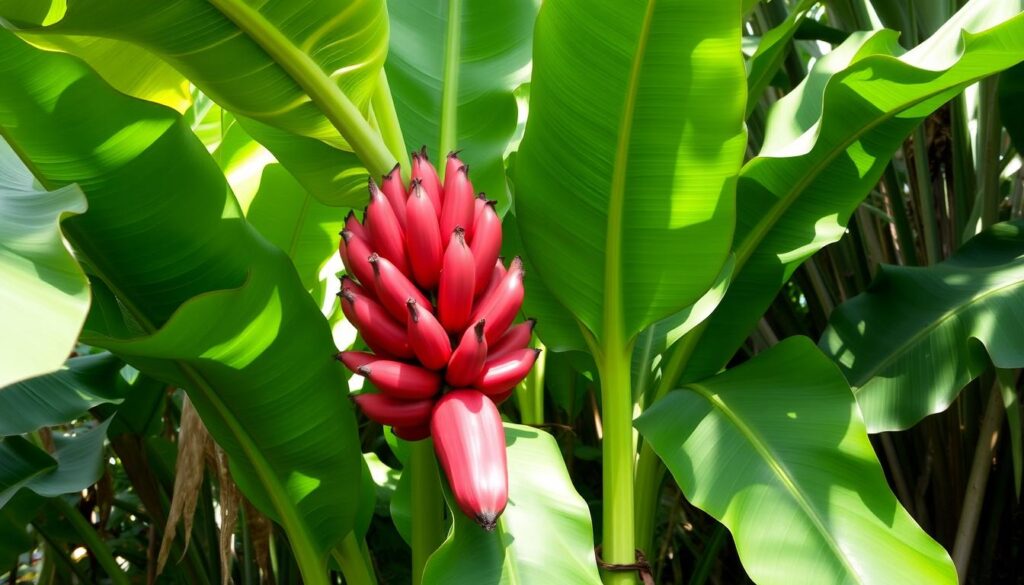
(775, 250)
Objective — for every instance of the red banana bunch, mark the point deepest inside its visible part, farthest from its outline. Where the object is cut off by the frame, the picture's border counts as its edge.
(435, 304)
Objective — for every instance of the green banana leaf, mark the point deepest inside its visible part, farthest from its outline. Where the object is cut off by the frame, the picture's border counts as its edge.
(624, 181)
(14, 519)
(917, 336)
(126, 67)
(76, 463)
(1011, 96)
(544, 536)
(771, 51)
(207, 303)
(776, 450)
(316, 64)
(45, 293)
(68, 393)
(828, 142)
(452, 69)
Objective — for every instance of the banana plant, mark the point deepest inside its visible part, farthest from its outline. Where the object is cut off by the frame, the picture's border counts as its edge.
(174, 175)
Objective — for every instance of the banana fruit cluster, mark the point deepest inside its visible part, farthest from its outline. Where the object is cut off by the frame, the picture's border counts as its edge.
(434, 302)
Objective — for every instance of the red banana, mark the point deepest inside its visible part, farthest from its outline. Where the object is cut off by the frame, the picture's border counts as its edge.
(468, 359)
(485, 245)
(382, 333)
(392, 411)
(425, 173)
(353, 360)
(470, 443)
(423, 238)
(427, 337)
(517, 337)
(499, 307)
(455, 292)
(457, 210)
(416, 433)
(401, 380)
(497, 274)
(356, 260)
(451, 166)
(504, 372)
(501, 397)
(394, 191)
(386, 233)
(394, 289)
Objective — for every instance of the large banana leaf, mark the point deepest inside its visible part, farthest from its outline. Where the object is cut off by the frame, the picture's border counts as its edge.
(204, 302)
(624, 181)
(772, 49)
(544, 536)
(45, 295)
(919, 335)
(776, 450)
(61, 396)
(452, 69)
(827, 144)
(308, 67)
(76, 463)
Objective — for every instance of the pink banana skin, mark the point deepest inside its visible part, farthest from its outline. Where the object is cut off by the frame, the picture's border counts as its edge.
(425, 173)
(500, 306)
(457, 208)
(401, 380)
(353, 360)
(392, 411)
(394, 289)
(394, 191)
(427, 337)
(386, 233)
(455, 292)
(470, 444)
(503, 373)
(517, 337)
(357, 262)
(382, 333)
(497, 274)
(486, 245)
(468, 359)
(423, 238)
(451, 166)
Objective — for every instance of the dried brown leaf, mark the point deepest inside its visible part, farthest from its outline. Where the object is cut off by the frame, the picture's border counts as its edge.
(188, 479)
(229, 502)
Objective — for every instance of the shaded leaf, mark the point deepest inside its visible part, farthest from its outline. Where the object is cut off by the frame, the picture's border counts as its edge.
(62, 396)
(918, 335)
(76, 463)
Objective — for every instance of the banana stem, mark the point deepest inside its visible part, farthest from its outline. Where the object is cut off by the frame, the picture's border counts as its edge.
(618, 456)
(356, 566)
(390, 130)
(649, 474)
(427, 513)
(530, 394)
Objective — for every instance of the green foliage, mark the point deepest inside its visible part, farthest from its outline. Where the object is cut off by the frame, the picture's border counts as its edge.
(452, 68)
(828, 142)
(783, 459)
(918, 335)
(222, 314)
(76, 463)
(629, 157)
(46, 296)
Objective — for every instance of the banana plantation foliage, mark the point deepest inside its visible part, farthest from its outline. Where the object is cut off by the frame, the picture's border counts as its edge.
(501, 292)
